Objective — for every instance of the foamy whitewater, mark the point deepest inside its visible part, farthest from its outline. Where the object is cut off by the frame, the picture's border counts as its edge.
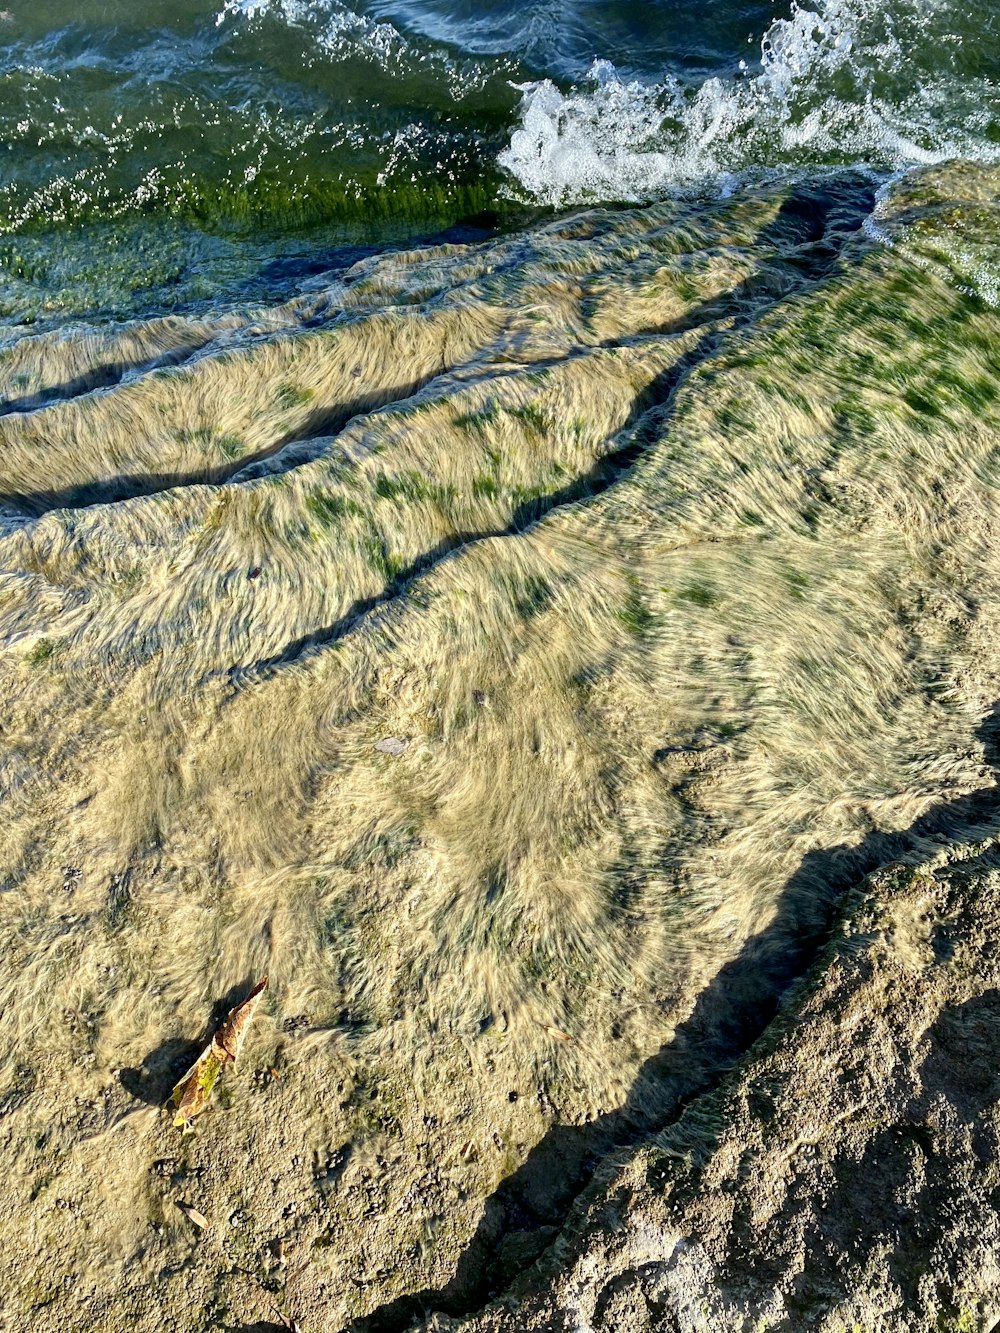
(813, 98)
(850, 82)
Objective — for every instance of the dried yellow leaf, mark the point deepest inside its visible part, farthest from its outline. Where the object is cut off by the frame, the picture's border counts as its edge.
(194, 1089)
(230, 1036)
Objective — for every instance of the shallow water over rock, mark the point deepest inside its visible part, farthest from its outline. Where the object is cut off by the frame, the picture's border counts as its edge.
(662, 544)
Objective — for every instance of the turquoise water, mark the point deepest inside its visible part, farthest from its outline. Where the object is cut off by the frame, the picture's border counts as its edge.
(164, 154)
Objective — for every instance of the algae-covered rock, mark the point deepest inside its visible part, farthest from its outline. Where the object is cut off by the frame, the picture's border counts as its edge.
(845, 1176)
(667, 540)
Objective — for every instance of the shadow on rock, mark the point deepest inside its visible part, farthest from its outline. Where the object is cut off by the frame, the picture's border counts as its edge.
(523, 1216)
(154, 1079)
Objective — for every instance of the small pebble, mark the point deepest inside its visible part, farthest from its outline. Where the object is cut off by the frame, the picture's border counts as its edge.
(392, 745)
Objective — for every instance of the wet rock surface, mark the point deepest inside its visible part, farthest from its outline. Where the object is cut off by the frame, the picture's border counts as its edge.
(846, 1174)
(652, 983)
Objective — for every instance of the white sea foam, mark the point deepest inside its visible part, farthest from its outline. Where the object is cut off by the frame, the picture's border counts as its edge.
(973, 269)
(336, 29)
(248, 9)
(339, 33)
(825, 90)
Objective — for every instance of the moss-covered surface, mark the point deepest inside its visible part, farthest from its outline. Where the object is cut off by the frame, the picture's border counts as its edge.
(513, 650)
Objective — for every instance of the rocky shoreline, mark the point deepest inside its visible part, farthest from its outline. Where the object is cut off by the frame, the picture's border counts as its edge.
(845, 1175)
(565, 666)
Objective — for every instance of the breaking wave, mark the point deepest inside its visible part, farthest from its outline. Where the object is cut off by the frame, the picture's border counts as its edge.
(850, 82)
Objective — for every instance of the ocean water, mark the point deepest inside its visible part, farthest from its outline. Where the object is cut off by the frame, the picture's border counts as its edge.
(178, 151)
